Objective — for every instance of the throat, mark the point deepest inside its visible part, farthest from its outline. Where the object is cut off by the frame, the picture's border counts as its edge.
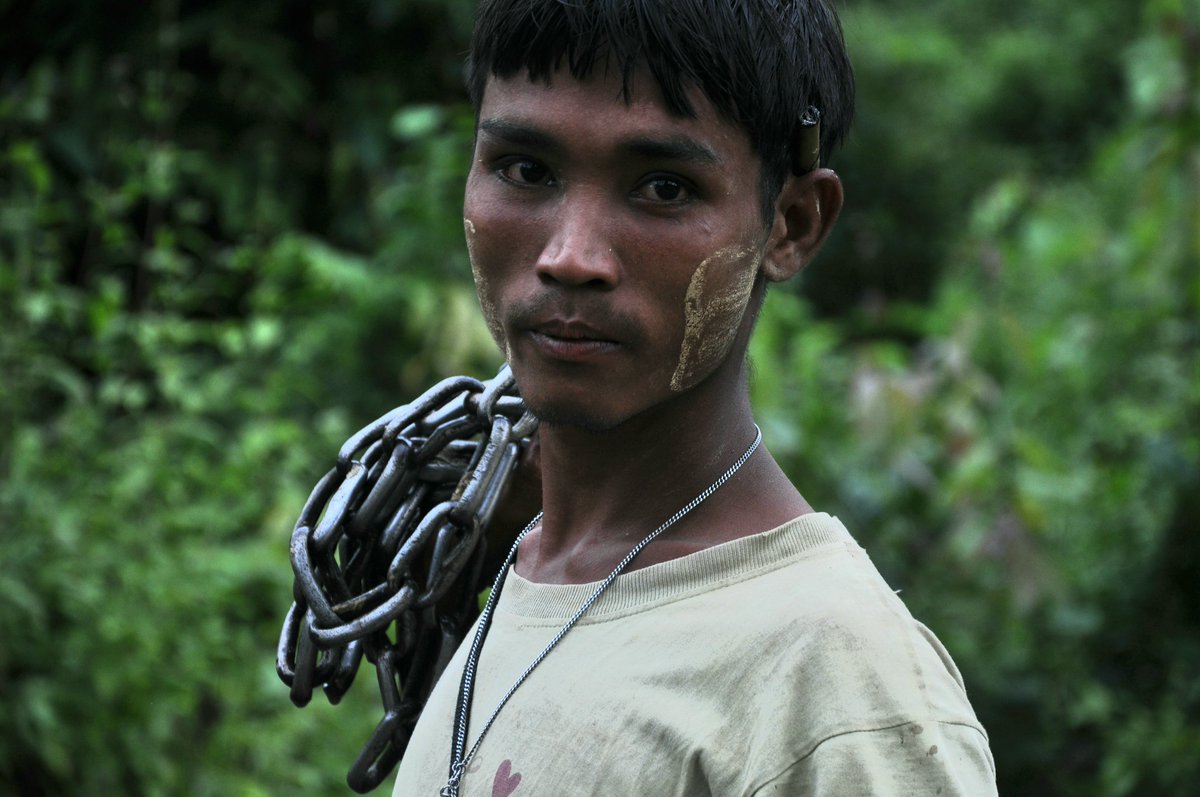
(589, 527)
(585, 559)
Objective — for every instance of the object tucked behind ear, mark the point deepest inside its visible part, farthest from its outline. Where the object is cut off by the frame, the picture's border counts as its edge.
(808, 143)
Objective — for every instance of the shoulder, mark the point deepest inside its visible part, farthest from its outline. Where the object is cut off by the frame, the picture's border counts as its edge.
(860, 685)
(857, 654)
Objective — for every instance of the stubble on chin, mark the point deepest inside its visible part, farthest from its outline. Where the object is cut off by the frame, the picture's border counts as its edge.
(572, 418)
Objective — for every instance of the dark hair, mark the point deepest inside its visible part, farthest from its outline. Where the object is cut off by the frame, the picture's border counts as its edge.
(761, 63)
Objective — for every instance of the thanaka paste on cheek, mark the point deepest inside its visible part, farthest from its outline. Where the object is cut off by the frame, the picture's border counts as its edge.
(713, 308)
(490, 316)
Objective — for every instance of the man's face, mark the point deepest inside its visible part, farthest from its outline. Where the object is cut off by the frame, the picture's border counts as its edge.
(614, 246)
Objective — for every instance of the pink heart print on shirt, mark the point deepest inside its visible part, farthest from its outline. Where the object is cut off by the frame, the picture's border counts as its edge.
(506, 781)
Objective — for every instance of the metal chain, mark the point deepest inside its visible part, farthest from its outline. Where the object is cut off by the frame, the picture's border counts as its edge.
(388, 552)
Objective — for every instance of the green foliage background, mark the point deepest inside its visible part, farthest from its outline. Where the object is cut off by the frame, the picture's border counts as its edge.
(229, 235)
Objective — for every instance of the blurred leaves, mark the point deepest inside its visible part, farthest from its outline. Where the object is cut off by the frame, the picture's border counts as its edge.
(189, 335)
(1026, 467)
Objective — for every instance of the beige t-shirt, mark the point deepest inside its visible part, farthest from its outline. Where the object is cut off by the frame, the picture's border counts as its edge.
(776, 664)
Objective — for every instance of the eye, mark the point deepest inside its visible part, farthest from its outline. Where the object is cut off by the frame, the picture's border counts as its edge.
(526, 172)
(664, 189)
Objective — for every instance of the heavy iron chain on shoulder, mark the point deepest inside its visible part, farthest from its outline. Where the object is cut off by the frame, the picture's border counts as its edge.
(388, 553)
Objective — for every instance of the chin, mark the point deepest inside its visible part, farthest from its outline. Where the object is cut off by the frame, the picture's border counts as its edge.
(557, 402)
(571, 417)
(571, 410)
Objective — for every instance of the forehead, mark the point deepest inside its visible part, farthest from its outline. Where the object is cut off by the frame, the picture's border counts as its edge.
(603, 107)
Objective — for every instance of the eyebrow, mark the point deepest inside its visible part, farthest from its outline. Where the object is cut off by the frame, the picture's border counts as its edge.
(521, 135)
(679, 148)
(674, 148)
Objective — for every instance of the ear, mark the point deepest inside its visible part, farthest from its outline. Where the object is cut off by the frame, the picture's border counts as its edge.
(805, 211)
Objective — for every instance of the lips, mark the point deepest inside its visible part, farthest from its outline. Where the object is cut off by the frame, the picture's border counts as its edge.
(572, 340)
(573, 331)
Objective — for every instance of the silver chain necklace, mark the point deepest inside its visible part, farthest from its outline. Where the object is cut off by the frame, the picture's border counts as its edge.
(459, 761)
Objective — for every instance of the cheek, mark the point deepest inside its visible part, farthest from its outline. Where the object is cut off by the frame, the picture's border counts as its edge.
(716, 301)
(483, 288)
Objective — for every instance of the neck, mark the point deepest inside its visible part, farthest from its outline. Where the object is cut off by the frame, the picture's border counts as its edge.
(602, 492)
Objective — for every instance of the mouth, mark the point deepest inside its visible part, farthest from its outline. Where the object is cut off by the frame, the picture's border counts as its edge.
(572, 331)
(574, 341)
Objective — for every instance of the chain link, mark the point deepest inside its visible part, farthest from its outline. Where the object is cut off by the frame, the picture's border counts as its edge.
(388, 551)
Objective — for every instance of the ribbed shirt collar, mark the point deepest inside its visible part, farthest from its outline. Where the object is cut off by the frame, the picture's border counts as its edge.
(675, 579)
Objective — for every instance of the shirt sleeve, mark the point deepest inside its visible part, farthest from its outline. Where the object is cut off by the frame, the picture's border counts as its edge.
(910, 760)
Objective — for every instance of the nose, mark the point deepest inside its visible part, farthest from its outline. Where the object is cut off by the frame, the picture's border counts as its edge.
(579, 250)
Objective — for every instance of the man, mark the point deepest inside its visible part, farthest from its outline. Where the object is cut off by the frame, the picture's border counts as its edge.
(642, 170)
